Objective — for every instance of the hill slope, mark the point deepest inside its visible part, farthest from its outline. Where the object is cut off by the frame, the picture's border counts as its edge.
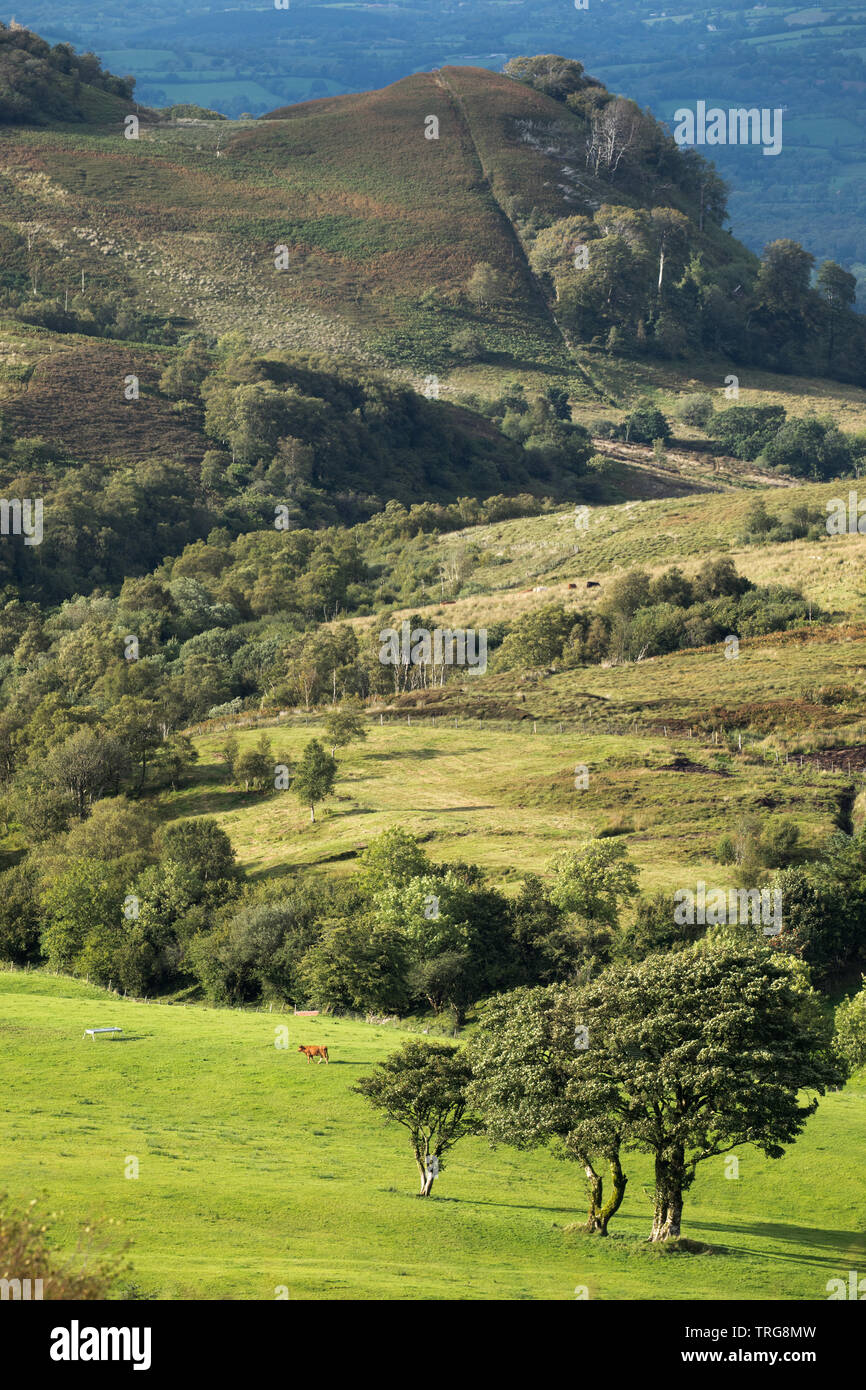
(39, 84)
(258, 1171)
(186, 219)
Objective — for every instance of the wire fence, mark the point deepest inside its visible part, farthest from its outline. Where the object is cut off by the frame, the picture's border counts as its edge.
(723, 740)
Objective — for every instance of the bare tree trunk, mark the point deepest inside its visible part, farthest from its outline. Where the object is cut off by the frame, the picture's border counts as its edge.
(427, 1178)
(668, 1212)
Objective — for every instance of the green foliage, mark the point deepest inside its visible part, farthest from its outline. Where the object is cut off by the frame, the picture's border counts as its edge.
(594, 881)
(851, 1028)
(645, 423)
(392, 859)
(315, 776)
(524, 1063)
(202, 848)
(82, 912)
(27, 1252)
(697, 409)
(254, 768)
(684, 1056)
(693, 1053)
(549, 73)
(39, 83)
(343, 725)
(256, 953)
(809, 448)
(536, 639)
(746, 430)
(20, 920)
(353, 968)
(422, 1086)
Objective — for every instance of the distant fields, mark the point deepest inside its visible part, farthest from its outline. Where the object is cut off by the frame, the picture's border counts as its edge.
(505, 798)
(509, 560)
(258, 1171)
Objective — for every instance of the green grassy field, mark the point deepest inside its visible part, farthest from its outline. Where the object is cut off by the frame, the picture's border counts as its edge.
(257, 1170)
(505, 798)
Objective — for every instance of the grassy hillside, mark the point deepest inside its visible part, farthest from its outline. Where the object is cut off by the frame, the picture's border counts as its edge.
(337, 180)
(383, 225)
(257, 1170)
(504, 797)
(465, 768)
(653, 532)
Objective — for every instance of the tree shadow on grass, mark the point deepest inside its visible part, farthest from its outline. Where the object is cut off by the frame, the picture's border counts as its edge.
(393, 754)
(841, 1245)
(511, 1206)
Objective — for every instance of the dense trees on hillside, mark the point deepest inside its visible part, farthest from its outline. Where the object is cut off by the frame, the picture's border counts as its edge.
(117, 899)
(637, 281)
(623, 145)
(657, 279)
(808, 446)
(38, 82)
(295, 443)
(643, 617)
(98, 692)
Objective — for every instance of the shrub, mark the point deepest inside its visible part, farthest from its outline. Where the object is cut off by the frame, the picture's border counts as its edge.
(696, 410)
(24, 1254)
(645, 423)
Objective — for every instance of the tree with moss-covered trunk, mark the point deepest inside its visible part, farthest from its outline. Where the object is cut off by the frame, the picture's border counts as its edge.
(697, 1052)
(525, 1065)
(423, 1086)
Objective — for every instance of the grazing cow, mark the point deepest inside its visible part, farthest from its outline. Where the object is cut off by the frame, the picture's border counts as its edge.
(593, 584)
(572, 586)
(315, 1051)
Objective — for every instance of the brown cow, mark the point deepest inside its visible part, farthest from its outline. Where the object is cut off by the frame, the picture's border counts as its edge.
(315, 1051)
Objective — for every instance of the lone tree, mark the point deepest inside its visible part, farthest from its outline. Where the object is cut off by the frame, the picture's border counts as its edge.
(422, 1086)
(693, 1053)
(524, 1059)
(314, 778)
(485, 284)
(343, 725)
(255, 766)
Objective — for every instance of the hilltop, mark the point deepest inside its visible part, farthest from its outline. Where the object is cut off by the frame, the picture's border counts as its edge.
(456, 221)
